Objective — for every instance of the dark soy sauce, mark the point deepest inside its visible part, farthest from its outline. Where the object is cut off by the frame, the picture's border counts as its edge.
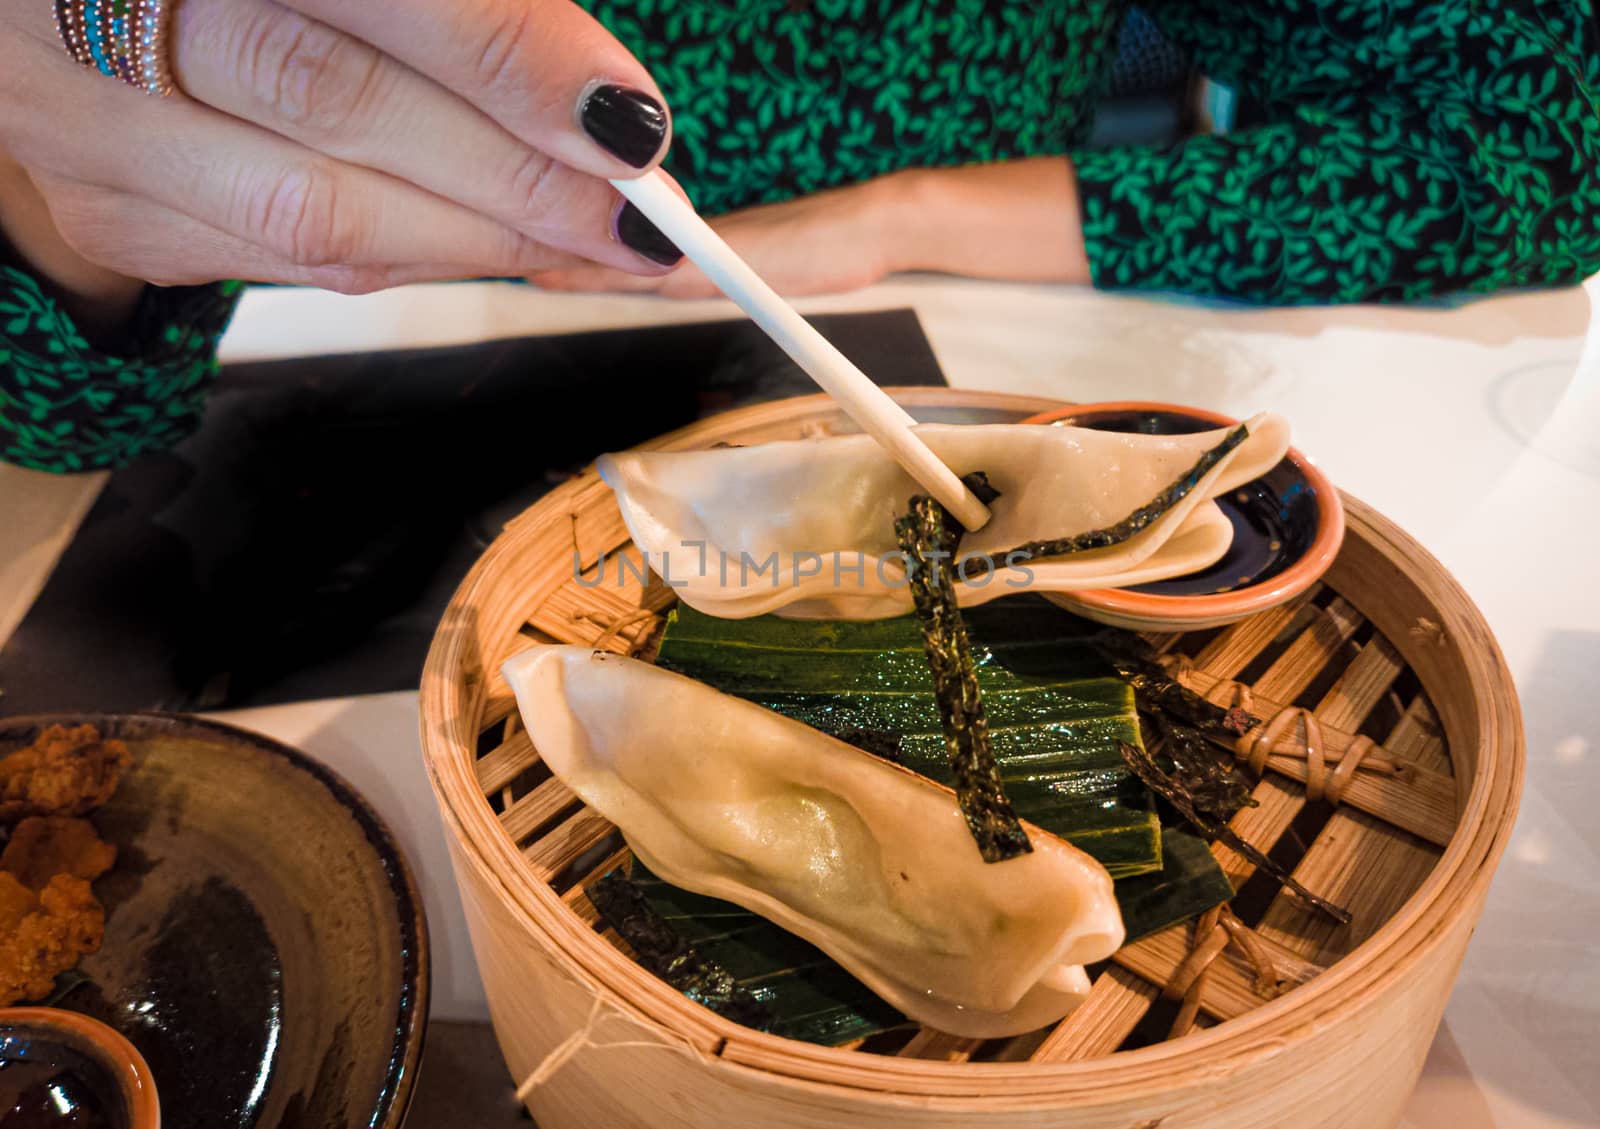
(44, 1085)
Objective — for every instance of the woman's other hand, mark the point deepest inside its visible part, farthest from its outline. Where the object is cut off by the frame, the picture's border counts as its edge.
(1015, 220)
(337, 143)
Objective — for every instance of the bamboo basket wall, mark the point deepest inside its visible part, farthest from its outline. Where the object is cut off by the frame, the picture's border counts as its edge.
(1387, 648)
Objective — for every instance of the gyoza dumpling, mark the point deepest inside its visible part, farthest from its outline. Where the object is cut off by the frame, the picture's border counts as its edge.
(805, 527)
(867, 860)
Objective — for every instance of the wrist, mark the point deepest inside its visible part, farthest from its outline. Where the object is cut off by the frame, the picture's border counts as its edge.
(909, 208)
(1015, 220)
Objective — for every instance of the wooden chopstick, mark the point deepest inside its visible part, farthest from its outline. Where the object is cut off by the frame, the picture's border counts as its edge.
(861, 399)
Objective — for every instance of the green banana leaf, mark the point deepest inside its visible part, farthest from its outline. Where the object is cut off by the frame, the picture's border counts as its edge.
(815, 1000)
(1189, 883)
(809, 996)
(1056, 712)
(1056, 709)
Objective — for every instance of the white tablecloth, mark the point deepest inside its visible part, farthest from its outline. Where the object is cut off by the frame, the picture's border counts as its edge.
(1477, 428)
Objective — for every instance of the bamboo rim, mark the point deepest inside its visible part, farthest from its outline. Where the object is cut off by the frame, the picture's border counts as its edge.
(1456, 650)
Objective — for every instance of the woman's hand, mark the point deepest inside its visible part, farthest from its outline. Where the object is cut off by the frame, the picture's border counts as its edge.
(345, 144)
(1015, 220)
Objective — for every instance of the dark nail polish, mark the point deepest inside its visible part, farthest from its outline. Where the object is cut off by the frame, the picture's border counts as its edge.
(635, 230)
(627, 123)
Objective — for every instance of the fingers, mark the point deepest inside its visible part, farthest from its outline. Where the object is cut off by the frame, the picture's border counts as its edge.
(135, 237)
(544, 69)
(302, 207)
(591, 280)
(304, 80)
(685, 283)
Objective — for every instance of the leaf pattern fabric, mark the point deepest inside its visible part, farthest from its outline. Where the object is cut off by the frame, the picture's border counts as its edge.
(66, 406)
(1403, 148)
(1406, 148)
(776, 98)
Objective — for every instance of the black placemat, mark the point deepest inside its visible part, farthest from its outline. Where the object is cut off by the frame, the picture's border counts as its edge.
(305, 541)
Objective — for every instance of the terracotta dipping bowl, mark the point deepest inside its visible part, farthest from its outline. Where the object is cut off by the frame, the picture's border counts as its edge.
(105, 1068)
(1287, 528)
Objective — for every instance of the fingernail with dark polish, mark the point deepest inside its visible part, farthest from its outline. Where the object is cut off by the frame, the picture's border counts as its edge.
(627, 123)
(635, 230)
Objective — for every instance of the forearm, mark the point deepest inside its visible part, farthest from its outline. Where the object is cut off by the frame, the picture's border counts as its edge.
(1016, 220)
(101, 301)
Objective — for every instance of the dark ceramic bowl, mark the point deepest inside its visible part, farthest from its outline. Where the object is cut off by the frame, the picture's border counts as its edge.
(265, 946)
(81, 1062)
(1287, 528)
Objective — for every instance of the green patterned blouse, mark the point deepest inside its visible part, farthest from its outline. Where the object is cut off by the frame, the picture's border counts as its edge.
(1402, 148)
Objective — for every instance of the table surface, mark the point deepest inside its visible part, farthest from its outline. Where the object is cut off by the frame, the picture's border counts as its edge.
(1476, 428)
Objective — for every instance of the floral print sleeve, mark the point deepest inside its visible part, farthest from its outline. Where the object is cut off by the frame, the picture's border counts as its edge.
(65, 406)
(1405, 149)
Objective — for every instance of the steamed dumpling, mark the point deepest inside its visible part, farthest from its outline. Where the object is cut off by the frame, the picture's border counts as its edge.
(867, 860)
(805, 527)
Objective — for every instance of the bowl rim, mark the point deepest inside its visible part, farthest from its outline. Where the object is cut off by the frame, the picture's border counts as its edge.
(106, 1045)
(1304, 572)
(414, 1014)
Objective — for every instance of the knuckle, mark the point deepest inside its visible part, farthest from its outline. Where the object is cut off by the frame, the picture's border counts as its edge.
(302, 219)
(505, 46)
(308, 76)
(534, 182)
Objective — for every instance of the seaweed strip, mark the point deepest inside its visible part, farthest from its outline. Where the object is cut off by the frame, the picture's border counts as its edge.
(929, 536)
(1053, 705)
(664, 951)
(982, 489)
(1144, 766)
(1135, 523)
(1206, 773)
(1159, 691)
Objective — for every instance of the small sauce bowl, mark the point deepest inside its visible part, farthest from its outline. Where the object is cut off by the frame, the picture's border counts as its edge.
(1287, 528)
(59, 1068)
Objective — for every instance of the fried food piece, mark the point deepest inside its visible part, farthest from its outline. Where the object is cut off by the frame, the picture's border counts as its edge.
(64, 772)
(16, 903)
(61, 924)
(42, 847)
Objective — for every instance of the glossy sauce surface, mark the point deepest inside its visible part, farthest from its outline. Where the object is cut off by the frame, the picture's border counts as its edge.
(1274, 518)
(48, 1086)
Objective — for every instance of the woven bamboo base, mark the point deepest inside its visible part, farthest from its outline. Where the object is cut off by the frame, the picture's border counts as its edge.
(1332, 1034)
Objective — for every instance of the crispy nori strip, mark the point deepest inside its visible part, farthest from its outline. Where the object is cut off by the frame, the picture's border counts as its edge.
(662, 950)
(982, 489)
(1158, 691)
(881, 743)
(1136, 522)
(929, 536)
(1208, 774)
(1144, 766)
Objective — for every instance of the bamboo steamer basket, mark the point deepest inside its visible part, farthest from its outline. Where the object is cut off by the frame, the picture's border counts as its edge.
(1387, 647)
